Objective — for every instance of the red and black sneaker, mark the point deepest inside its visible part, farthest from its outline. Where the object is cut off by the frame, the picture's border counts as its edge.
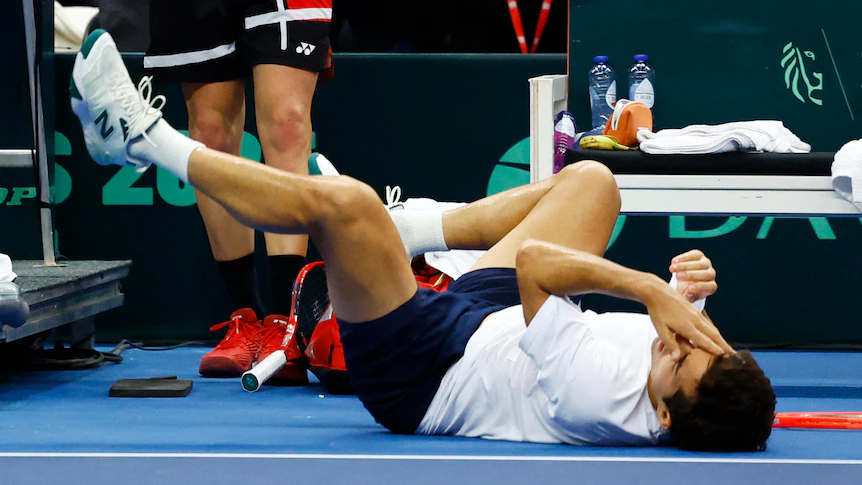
(237, 350)
(279, 333)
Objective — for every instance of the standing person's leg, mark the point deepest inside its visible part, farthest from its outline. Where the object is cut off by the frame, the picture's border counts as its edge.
(217, 119)
(287, 47)
(194, 43)
(283, 98)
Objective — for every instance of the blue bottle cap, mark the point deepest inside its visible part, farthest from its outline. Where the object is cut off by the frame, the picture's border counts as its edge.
(598, 59)
(641, 57)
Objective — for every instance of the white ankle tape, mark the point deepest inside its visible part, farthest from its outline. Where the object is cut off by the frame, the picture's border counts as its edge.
(421, 231)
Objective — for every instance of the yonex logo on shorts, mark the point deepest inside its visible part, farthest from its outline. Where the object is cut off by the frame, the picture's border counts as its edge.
(304, 48)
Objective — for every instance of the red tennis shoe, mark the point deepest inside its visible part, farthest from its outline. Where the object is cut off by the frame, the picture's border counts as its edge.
(237, 350)
(278, 332)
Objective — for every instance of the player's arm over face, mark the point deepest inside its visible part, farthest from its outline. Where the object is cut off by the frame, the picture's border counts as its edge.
(546, 269)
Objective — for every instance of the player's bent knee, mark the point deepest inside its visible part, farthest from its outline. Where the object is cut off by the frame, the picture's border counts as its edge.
(348, 199)
(594, 175)
(595, 171)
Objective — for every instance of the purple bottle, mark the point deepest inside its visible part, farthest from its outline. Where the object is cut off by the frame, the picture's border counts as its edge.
(564, 138)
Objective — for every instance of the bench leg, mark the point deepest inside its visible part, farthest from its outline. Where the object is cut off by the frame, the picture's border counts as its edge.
(82, 333)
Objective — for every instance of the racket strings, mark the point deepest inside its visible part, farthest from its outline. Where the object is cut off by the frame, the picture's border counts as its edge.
(312, 300)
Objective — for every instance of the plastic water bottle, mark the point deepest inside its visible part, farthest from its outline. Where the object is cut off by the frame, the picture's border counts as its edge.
(603, 91)
(564, 138)
(642, 81)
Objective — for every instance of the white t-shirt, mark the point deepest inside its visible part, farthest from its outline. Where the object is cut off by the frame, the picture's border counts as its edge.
(572, 376)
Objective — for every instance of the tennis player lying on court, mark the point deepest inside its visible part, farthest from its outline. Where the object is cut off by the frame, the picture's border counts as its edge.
(503, 354)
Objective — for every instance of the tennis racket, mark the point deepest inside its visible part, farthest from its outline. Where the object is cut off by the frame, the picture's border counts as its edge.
(819, 420)
(308, 302)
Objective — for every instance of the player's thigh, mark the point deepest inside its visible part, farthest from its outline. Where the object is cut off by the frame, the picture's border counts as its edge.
(369, 275)
(578, 212)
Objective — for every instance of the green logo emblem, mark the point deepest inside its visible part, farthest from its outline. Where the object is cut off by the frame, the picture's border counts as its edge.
(794, 70)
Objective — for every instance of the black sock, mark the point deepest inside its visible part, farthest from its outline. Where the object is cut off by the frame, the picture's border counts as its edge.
(240, 279)
(282, 274)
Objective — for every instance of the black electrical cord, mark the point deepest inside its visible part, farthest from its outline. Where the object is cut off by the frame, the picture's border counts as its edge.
(28, 355)
(114, 354)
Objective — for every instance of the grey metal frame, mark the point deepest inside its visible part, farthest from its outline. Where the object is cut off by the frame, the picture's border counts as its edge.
(24, 158)
(755, 195)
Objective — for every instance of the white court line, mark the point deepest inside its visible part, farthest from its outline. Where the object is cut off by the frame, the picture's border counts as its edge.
(273, 456)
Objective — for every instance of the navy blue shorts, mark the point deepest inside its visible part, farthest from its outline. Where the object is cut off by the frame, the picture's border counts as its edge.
(396, 363)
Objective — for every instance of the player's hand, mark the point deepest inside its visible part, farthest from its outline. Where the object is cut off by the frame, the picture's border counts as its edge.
(672, 315)
(695, 275)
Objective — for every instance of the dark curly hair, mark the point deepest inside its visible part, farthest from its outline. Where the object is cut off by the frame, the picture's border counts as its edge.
(732, 410)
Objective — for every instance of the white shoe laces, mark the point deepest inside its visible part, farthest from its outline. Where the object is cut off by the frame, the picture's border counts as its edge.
(137, 103)
(393, 198)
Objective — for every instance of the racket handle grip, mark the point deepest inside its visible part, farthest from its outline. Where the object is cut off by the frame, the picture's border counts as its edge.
(260, 373)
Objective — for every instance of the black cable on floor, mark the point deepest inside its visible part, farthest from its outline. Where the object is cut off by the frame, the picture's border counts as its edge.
(29, 355)
(114, 354)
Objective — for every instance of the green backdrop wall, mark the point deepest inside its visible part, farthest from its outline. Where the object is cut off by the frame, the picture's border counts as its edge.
(451, 128)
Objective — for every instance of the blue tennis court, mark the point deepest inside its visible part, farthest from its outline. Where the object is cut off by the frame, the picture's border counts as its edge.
(62, 426)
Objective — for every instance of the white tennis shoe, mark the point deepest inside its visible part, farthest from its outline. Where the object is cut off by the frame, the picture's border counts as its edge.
(113, 112)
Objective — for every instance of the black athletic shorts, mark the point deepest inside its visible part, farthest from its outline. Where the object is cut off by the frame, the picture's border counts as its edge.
(221, 40)
(397, 362)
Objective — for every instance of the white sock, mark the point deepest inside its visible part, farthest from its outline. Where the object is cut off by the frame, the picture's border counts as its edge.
(421, 231)
(169, 149)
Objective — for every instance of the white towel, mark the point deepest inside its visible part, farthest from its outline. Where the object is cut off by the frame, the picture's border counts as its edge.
(6, 273)
(847, 172)
(70, 26)
(750, 136)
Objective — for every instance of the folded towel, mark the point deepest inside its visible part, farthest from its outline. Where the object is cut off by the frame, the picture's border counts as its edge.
(847, 172)
(750, 136)
(6, 273)
(70, 26)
